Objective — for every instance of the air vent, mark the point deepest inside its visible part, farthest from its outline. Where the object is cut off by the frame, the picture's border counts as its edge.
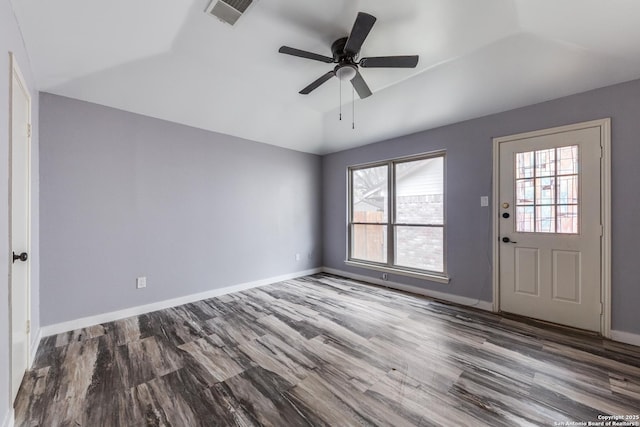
(228, 10)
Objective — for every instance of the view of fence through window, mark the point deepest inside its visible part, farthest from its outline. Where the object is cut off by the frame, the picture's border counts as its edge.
(415, 225)
(547, 191)
(370, 216)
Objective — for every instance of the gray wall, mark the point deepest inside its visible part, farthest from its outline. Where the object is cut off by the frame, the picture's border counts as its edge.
(125, 195)
(469, 174)
(11, 41)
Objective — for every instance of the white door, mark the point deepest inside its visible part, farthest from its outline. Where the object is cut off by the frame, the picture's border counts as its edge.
(550, 227)
(20, 225)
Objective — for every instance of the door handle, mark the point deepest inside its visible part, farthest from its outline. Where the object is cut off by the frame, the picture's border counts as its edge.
(22, 257)
(507, 240)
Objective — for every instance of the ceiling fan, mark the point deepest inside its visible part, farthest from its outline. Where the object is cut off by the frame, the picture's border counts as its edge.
(345, 53)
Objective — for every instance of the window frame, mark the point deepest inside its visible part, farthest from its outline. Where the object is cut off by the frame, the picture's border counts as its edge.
(555, 204)
(391, 223)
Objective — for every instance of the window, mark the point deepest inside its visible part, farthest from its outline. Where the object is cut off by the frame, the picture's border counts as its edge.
(396, 215)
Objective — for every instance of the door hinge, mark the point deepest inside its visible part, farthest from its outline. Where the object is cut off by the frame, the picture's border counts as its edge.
(601, 230)
(601, 308)
(601, 151)
(28, 130)
(28, 326)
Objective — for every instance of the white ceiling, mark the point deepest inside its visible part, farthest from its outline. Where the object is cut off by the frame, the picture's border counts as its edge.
(168, 59)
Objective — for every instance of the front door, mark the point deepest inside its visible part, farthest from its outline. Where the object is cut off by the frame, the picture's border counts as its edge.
(19, 188)
(550, 227)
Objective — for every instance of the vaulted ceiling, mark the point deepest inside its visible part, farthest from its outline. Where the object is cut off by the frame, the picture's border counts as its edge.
(168, 59)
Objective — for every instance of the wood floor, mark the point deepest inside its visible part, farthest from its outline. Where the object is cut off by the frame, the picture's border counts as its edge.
(323, 350)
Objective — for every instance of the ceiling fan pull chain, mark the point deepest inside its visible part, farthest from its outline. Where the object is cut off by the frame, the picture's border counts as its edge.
(340, 86)
(353, 108)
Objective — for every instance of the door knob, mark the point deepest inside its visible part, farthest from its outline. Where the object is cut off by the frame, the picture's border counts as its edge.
(508, 240)
(22, 257)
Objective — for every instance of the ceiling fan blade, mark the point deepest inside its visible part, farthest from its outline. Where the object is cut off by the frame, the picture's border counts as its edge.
(317, 83)
(304, 54)
(390, 62)
(359, 32)
(361, 86)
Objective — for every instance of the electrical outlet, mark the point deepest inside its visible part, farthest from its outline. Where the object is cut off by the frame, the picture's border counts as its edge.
(141, 282)
(484, 201)
(297, 257)
(384, 276)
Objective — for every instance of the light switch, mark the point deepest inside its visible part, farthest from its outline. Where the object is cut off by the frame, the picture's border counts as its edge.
(484, 201)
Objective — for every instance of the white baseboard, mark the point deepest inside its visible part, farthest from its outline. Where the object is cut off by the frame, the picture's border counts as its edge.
(45, 331)
(84, 322)
(457, 299)
(9, 419)
(626, 337)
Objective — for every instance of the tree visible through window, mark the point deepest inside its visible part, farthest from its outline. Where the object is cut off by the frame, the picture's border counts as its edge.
(397, 214)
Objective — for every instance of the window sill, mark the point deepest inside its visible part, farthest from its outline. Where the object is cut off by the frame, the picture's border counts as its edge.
(427, 276)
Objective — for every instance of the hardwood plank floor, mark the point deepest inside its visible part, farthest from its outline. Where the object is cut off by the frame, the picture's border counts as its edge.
(326, 351)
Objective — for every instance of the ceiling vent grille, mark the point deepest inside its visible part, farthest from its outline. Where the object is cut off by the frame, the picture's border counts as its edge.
(228, 10)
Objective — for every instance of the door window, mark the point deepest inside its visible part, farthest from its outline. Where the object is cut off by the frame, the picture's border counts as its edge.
(547, 191)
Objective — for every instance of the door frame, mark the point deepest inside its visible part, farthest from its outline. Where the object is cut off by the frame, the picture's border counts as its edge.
(15, 72)
(605, 211)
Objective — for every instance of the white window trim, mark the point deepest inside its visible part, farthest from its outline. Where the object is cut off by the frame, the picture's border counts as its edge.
(390, 268)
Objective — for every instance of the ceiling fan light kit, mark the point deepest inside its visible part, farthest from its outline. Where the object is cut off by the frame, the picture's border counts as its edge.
(345, 54)
(346, 72)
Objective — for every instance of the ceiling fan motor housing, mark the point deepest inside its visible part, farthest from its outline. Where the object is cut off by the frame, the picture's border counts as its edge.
(337, 48)
(347, 67)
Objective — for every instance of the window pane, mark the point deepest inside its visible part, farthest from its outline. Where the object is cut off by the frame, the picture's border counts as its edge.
(420, 247)
(568, 189)
(369, 194)
(554, 182)
(568, 160)
(567, 219)
(524, 191)
(369, 242)
(545, 191)
(524, 165)
(546, 162)
(419, 191)
(545, 219)
(525, 219)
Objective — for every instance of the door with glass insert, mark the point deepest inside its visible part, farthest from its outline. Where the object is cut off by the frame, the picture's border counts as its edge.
(550, 228)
